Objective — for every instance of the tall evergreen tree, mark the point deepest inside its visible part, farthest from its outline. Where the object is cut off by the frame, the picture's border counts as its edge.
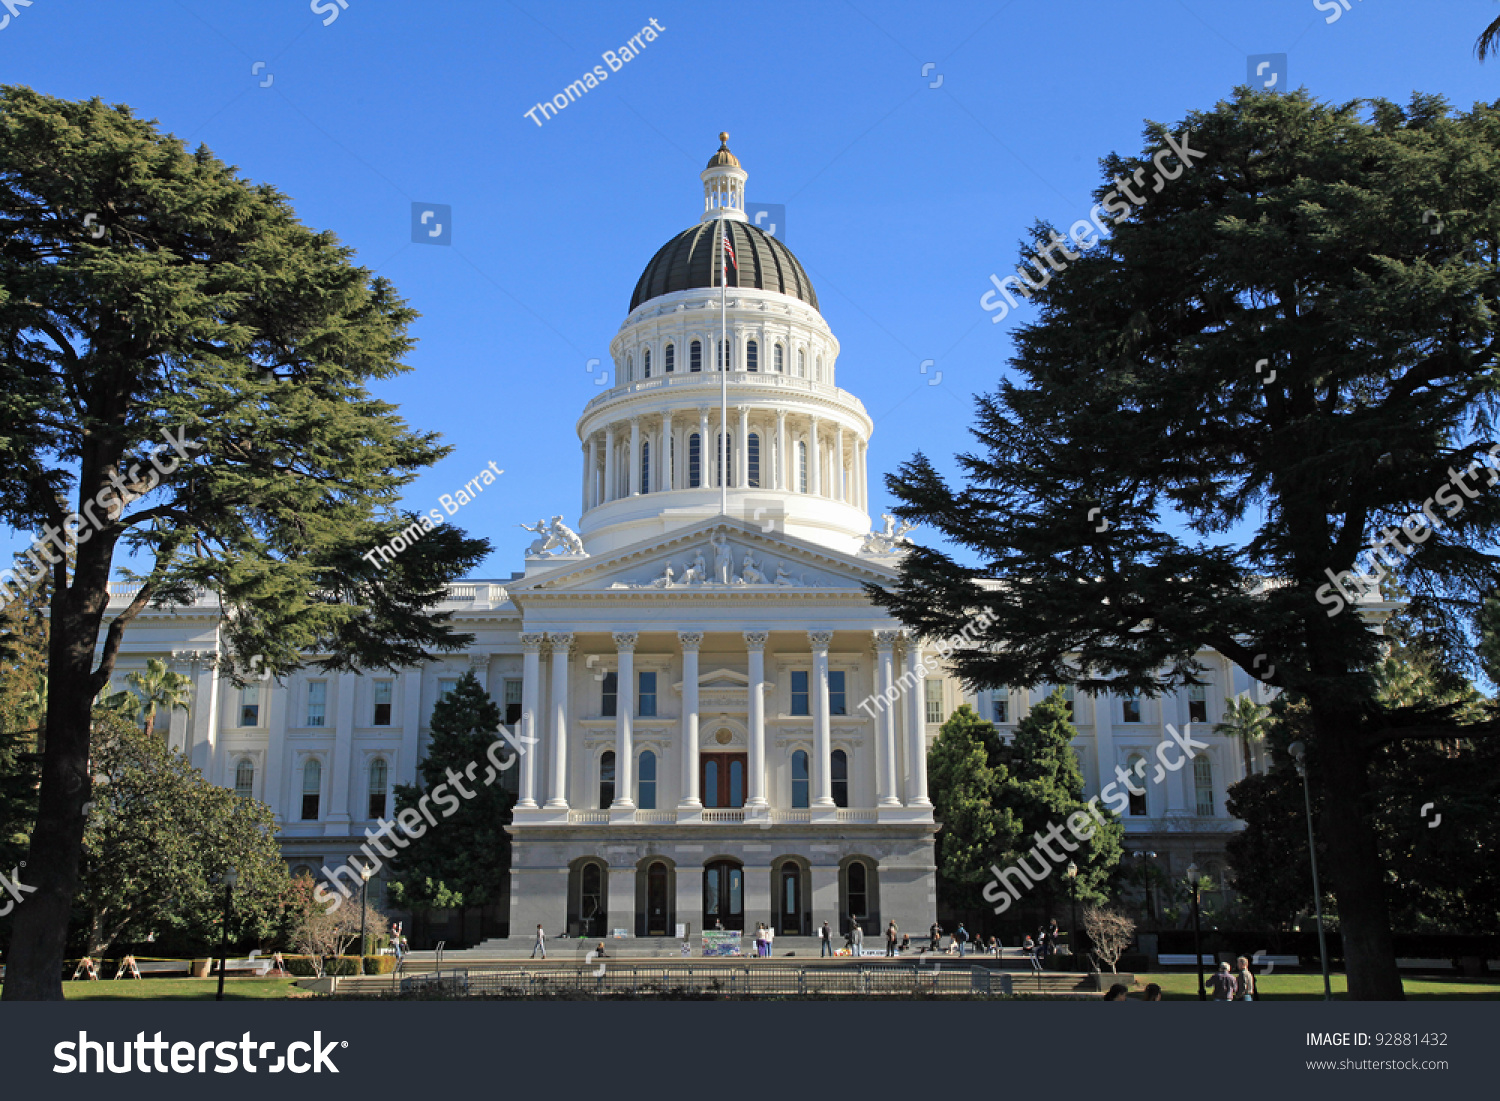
(191, 385)
(1231, 419)
(23, 713)
(964, 774)
(464, 860)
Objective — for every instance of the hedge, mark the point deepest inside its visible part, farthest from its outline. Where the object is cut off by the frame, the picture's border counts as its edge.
(306, 967)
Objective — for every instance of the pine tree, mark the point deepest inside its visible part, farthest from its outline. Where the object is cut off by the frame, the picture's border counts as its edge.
(964, 780)
(464, 860)
(23, 712)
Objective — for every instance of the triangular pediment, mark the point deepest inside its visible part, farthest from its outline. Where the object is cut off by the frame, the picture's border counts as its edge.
(718, 557)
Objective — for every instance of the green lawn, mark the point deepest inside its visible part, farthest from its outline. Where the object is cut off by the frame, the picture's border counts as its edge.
(1297, 987)
(171, 990)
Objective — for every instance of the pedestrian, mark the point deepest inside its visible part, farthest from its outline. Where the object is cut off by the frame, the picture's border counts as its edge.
(905, 942)
(962, 936)
(540, 945)
(1224, 983)
(1041, 941)
(1153, 992)
(1116, 993)
(995, 947)
(770, 941)
(1244, 981)
(859, 936)
(1036, 955)
(935, 934)
(825, 938)
(760, 940)
(890, 939)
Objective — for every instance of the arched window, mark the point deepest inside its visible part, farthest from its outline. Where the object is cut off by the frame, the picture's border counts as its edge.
(670, 357)
(244, 778)
(379, 771)
(1136, 769)
(629, 368)
(646, 793)
(753, 460)
(607, 779)
(725, 457)
(752, 355)
(859, 889)
(801, 466)
(780, 360)
(1203, 786)
(799, 779)
(695, 356)
(801, 363)
(818, 369)
(839, 773)
(695, 461)
(312, 786)
(645, 466)
(646, 363)
(723, 355)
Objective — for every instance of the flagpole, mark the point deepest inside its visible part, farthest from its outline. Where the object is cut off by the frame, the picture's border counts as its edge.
(723, 365)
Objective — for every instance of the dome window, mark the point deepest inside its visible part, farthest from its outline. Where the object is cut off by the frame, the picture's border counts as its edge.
(695, 461)
(695, 356)
(780, 360)
(752, 355)
(629, 368)
(646, 363)
(817, 368)
(670, 358)
(801, 364)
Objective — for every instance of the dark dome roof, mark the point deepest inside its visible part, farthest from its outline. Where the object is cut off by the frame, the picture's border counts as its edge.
(691, 260)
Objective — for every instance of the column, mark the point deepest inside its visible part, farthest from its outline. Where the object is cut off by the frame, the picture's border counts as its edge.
(755, 644)
(634, 484)
(840, 485)
(815, 457)
(822, 739)
(591, 473)
(276, 724)
(783, 475)
(531, 689)
(885, 717)
(411, 728)
(742, 449)
(205, 713)
(690, 641)
(916, 727)
(1104, 737)
(706, 450)
(624, 717)
(666, 478)
(609, 466)
(343, 750)
(562, 652)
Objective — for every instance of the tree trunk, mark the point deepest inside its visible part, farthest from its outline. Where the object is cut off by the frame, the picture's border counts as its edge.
(1339, 769)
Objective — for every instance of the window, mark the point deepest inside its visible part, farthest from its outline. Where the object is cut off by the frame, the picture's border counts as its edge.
(1130, 707)
(799, 779)
(839, 773)
(629, 368)
(379, 771)
(695, 461)
(752, 355)
(607, 779)
(837, 702)
(753, 460)
(1197, 703)
(799, 693)
(646, 695)
(669, 358)
(1001, 705)
(780, 360)
(801, 362)
(1069, 693)
(818, 369)
(513, 701)
(1203, 786)
(244, 778)
(736, 780)
(591, 905)
(801, 466)
(646, 363)
(725, 455)
(250, 705)
(934, 700)
(645, 466)
(382, 703)
(859, 890)
(646, 785)
(1136, 769)
(724, 355)
(317, 702)
(695, 356)
(312, 785)
(610, 695)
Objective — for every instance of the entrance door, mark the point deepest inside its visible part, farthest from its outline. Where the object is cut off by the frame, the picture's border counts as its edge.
(791, 901)
(724, 896)
(722, 779)
(656, 901)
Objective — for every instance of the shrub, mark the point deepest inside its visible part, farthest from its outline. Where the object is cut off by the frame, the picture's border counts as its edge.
(380, 965)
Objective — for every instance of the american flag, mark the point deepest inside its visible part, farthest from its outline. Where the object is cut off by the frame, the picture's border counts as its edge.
(729, 253)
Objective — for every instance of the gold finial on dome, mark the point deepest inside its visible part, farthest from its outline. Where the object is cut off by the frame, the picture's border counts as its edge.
(724, 138)
(723, 158)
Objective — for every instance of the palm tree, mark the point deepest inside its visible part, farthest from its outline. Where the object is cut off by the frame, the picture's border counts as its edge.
(1246, 720)
(157, 687)
(1489, 41)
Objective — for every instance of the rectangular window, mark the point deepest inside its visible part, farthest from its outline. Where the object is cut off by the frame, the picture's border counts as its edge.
(382, 716)
(934, 696)
(837, 702)
(446, 685)
(799, 693)
(646, 695)
(753, 462)
(250, 705)
(1001, 705)
(695, 461)
(1203, 786)
(609, 695)
(1130, 707)
(1197, 703)
(695, 356)
(317, 702)
(512, 702)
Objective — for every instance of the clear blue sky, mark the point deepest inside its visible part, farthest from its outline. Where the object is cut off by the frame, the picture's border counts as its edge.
(901, 198)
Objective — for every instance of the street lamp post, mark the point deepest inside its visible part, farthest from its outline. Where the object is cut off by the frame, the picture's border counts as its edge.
(228, 879)
(1073, 900)
(1192, 874)
(364, 893)
(1298, 750)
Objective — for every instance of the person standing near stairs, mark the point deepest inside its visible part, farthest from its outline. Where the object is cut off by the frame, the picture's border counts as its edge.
(541, 943)
(825, 939)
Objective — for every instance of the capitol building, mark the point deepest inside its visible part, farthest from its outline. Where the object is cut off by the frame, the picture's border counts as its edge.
(690, 654)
